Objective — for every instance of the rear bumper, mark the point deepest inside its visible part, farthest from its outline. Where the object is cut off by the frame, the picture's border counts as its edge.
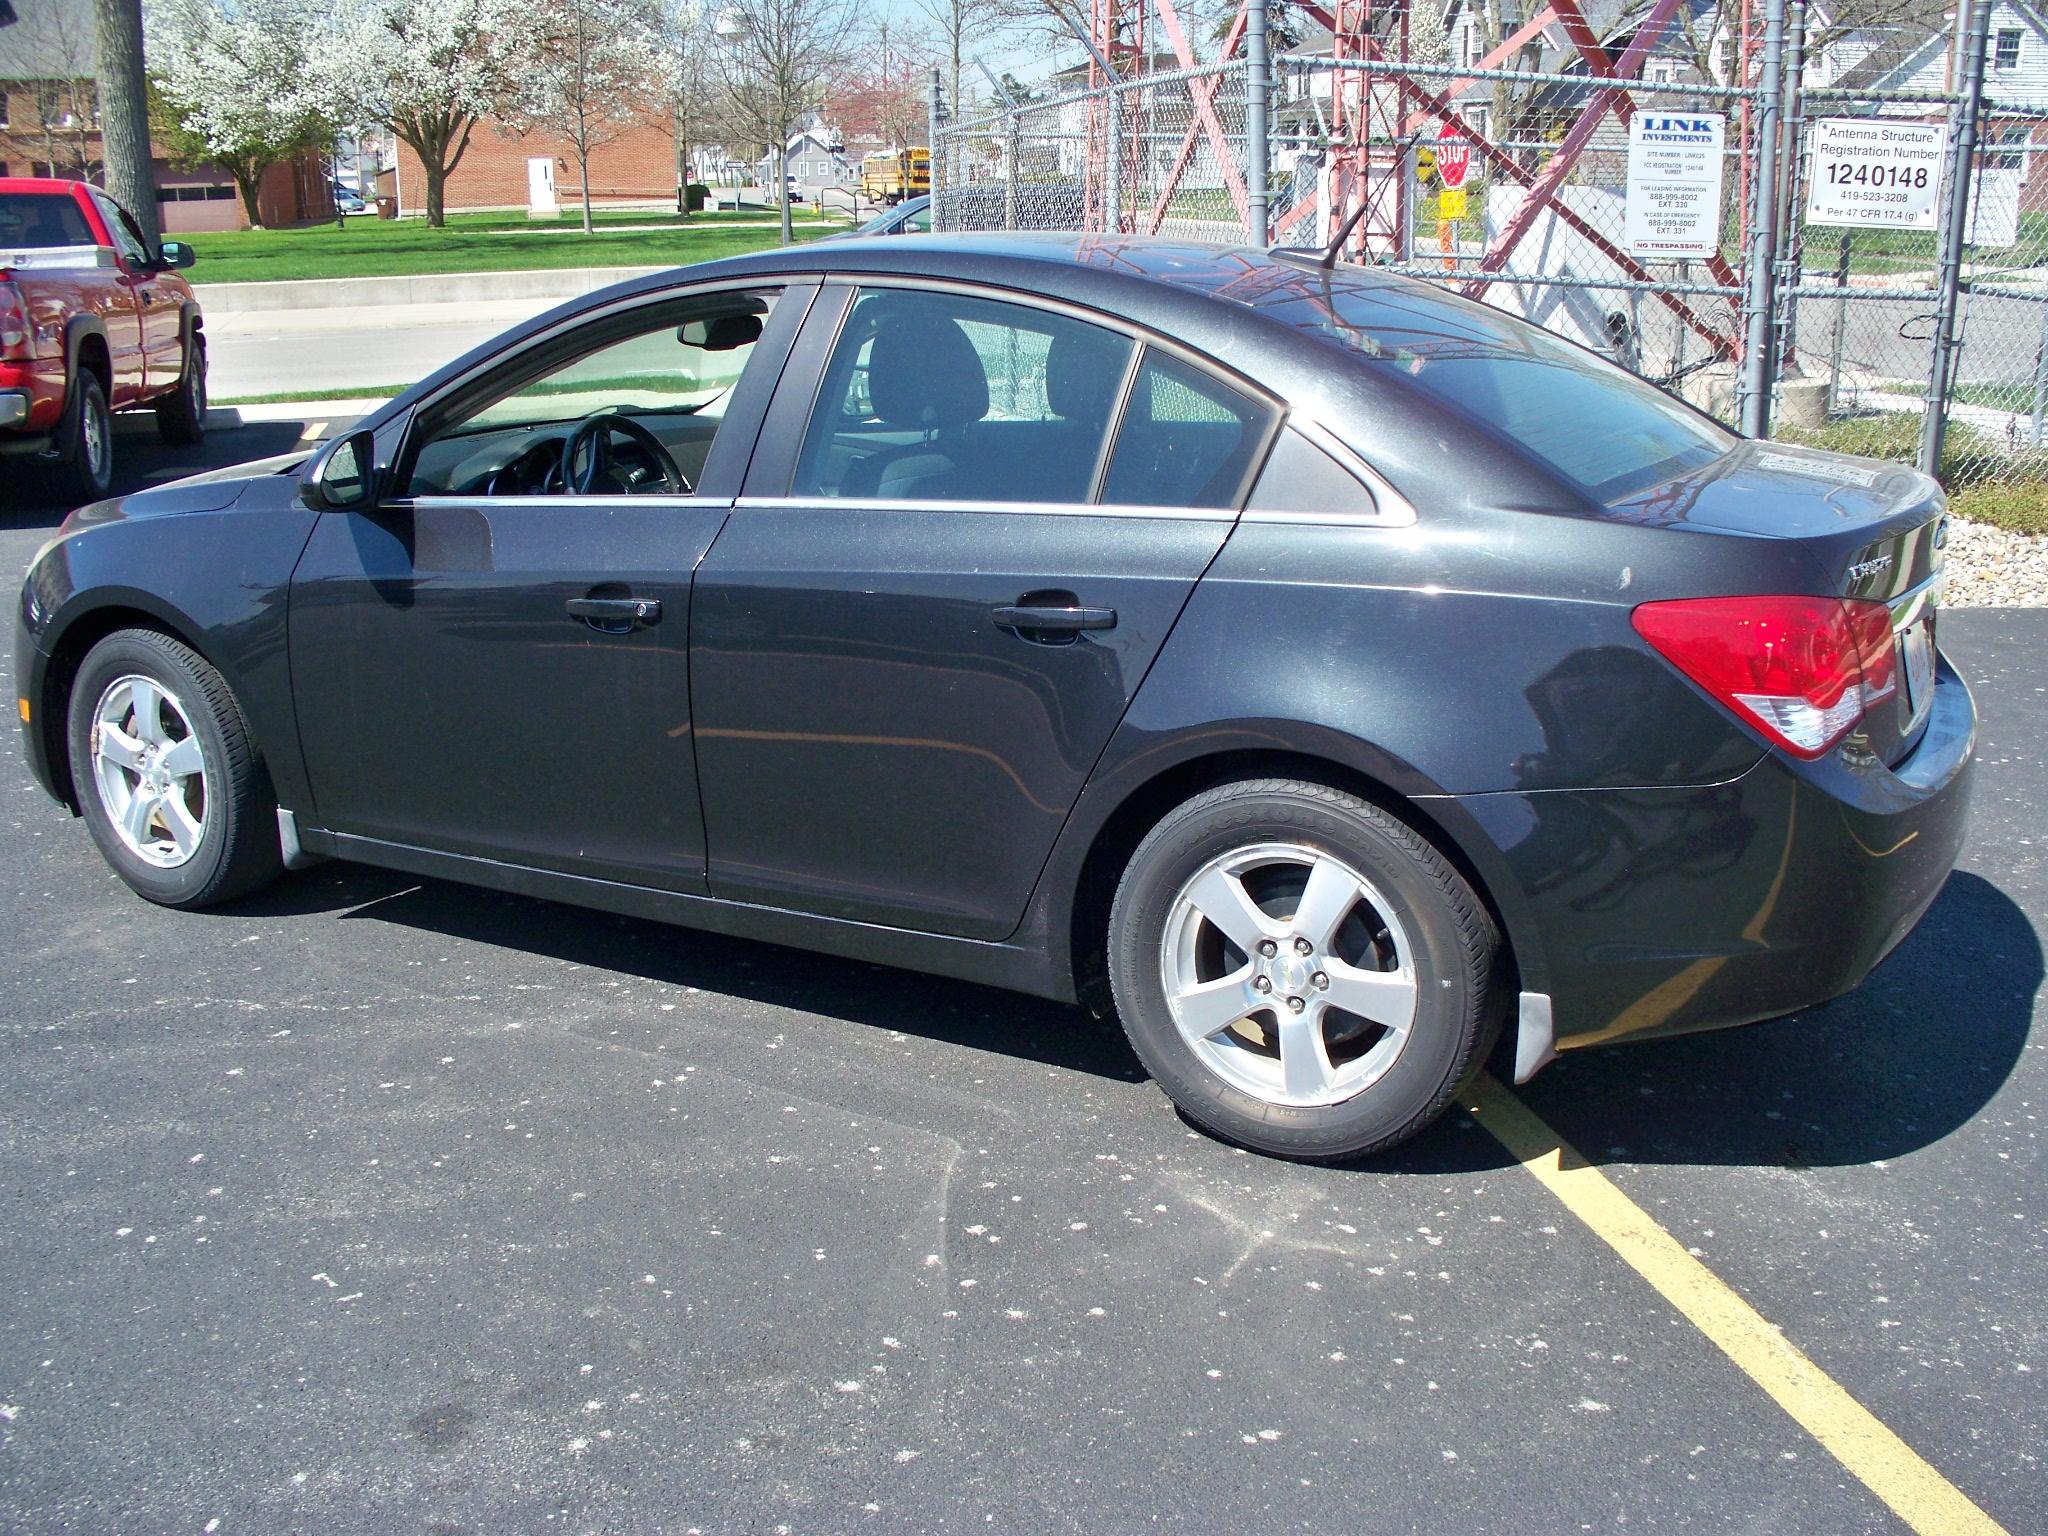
(1664, 911)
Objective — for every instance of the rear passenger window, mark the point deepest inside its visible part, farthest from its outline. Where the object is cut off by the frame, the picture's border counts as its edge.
(1187, 440)
(943, 397)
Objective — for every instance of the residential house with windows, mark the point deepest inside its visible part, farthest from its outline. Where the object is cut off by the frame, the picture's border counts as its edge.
(817, 161)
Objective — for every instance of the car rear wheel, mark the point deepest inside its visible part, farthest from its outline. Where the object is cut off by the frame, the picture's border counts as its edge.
(1302, 972)
(84, 470)
(163, 765)
(181, 415)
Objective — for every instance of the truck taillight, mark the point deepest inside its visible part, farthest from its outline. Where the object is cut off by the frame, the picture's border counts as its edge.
(17, 344)
(1800, 669)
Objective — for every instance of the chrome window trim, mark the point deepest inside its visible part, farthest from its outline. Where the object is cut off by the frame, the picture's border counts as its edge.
(851, 504)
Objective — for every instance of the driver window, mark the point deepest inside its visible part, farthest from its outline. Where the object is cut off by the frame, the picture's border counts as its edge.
(635, 415)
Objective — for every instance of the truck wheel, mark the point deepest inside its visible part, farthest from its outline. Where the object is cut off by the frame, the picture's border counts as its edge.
(181, 415)
(84, 470)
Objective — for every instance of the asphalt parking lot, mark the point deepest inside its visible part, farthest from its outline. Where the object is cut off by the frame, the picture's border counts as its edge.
(378, 1204)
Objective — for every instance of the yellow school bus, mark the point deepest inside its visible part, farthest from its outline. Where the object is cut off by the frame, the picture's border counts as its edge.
(892, 175)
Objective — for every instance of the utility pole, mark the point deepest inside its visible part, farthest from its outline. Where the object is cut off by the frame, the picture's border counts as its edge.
(124, 112)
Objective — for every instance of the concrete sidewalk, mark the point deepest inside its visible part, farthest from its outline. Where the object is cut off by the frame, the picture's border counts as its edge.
(348, 293)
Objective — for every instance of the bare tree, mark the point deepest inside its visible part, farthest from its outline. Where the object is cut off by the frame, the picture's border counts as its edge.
(958, 25)
(775, 60)
(597, 67)
(124, 112)
(52, 53)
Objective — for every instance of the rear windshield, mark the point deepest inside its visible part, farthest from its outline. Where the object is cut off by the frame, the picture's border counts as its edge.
(40, 220)
(1599, 426)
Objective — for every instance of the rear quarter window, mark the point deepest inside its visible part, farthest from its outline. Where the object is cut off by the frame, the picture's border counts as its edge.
(40, 221)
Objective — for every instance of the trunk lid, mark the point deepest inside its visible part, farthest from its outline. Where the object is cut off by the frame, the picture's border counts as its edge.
(1874, 532)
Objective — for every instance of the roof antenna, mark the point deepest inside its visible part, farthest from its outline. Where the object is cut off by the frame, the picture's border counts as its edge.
(1329, 257)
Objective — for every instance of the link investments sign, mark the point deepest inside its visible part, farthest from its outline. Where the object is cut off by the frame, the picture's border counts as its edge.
(1871, 172)
(1674, 185)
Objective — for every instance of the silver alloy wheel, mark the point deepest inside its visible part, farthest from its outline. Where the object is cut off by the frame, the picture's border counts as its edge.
(1288, 974)
(195, 381)
(150, 771)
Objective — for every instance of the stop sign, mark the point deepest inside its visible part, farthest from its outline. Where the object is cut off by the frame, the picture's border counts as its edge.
(1453, 157)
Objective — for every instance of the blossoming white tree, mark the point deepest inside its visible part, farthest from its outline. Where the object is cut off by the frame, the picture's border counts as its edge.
(430, 71)
(240, 82)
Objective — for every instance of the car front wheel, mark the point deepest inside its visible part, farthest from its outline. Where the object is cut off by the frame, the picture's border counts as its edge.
(1301, 972)
(170, 781)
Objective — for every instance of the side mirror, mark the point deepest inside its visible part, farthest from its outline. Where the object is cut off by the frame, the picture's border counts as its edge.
(176, 253)
(343, 475)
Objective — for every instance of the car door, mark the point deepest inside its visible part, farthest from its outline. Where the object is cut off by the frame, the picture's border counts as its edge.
(160, 306)
(920, 626)
(487, 663)
(127, 336)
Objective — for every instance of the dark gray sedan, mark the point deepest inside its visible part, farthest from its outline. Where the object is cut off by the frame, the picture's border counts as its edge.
(1319, 670)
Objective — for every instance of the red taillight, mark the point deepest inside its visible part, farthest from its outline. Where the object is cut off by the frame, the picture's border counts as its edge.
(1800, 669)
(16, 343)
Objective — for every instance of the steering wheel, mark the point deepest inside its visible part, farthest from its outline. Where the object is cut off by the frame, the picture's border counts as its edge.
(592, 441)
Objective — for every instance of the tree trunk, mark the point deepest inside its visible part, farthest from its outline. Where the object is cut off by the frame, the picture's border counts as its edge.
(782, 181)
(124, 112)
(583, 170)
(437, 193)
(249, 181)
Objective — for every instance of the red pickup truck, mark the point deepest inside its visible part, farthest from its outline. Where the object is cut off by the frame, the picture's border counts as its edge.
(91, 321)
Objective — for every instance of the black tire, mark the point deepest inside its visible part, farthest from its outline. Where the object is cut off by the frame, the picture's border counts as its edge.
(181, 415)
(1459, 1001)
(84, 470)
(238, 848)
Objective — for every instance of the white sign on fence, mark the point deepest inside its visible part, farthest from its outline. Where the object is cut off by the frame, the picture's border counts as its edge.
(1674, 185)
(1874, 173)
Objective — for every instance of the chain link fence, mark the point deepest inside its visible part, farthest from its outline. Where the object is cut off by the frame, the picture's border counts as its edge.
(1538, 221)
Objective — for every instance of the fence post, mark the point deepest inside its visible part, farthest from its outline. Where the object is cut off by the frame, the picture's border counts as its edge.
(1791, 253)
(933, 157)
(1970, 45)
(1758, 354)
(1258, 97)
(1113, 168)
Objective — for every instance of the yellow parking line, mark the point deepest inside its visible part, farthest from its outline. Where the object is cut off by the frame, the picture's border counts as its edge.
(1851, 1433)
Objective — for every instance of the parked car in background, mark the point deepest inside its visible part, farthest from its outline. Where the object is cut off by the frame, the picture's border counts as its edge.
(92, 321)
(1326, 670)
(348, 200)
(907, 218)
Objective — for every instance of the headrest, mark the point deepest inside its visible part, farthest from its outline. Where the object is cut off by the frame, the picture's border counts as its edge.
(923, 372)
(1082, 372)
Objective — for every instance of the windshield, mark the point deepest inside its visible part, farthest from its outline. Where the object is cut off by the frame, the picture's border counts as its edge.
(1600, 427)
(668, 370)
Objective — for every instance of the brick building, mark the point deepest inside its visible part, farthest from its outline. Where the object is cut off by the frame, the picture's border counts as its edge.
(638, 166)
(49, 126)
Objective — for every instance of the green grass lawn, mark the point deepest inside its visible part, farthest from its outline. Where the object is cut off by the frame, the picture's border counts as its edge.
(486, 242)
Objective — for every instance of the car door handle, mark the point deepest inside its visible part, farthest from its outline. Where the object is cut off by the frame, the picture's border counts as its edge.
(616, 615)
(1052, 620)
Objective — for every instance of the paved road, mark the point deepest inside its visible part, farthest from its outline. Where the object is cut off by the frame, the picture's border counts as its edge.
(274, 353)
(378, 1204)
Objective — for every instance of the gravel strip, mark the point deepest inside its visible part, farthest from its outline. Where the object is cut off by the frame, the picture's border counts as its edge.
(1992, 568)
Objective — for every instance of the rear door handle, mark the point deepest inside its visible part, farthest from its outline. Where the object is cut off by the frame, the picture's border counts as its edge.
(1052, 620)
(616, 615)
